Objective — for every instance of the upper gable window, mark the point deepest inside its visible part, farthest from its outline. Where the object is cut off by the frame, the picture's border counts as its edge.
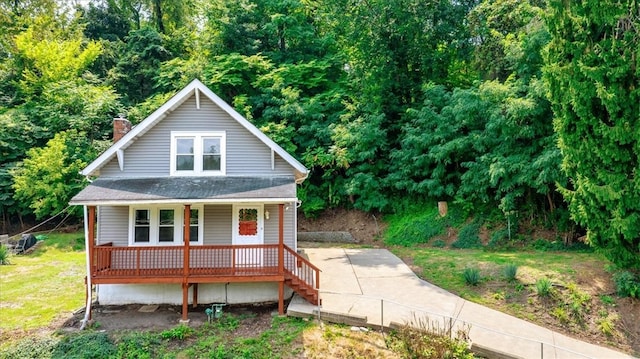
(194, 154)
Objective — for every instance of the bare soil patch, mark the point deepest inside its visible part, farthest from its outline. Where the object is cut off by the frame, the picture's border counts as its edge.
(114, 318)
(365, 228)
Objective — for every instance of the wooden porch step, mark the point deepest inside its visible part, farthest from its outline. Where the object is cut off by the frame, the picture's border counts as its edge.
(309, 294)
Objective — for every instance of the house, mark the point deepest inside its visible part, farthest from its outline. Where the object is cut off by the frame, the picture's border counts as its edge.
(194, 205)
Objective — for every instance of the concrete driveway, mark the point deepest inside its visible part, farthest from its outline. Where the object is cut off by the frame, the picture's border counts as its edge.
(373, 287)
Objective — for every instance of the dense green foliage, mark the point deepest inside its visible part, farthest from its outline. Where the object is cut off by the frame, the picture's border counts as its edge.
(388, 103)
(594, 83)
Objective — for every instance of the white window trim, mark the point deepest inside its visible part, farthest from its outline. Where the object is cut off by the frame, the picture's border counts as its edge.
(154, 225)
(197, 153)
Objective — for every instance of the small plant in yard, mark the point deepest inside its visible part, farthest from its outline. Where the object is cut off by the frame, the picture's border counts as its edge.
(422, 338)
(544, 287)
(607, 323)
(180, 332)
(561, 314)
(140, 345)
(510, 272)
(85, 345)
(4, 255)
(35, 347)
(579, 302)
(608, 300)
(471, 276)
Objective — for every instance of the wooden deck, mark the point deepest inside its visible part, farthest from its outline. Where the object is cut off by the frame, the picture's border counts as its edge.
(206, 264)
(190, 265)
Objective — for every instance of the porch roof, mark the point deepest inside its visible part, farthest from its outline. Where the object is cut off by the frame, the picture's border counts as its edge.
(104, 191)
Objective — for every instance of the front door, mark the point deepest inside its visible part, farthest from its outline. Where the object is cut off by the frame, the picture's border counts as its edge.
(248, 229)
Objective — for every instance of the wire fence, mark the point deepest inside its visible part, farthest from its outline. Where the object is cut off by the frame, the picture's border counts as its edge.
(502, 344)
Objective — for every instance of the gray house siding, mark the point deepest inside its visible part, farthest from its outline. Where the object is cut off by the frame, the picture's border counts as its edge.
(217, 224)
(113, 225)
(149, 155)
(271, 225)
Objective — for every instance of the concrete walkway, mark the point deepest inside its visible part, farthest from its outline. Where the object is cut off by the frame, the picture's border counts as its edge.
(373, 286)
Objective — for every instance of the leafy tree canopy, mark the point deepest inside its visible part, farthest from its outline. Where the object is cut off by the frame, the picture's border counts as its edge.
(49, 176)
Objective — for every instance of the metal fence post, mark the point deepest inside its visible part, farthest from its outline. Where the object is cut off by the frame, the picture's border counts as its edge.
(541, 350)
(382, 315)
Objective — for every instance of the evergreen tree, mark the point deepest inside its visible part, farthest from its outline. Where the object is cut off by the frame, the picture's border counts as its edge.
(593, 72)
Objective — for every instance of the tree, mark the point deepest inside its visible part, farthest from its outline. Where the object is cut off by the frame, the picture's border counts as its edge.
(51, 53)
(135, 75)
(105, 21)
(49, 176)
(17, 136)
(594, 84)
(496, 26)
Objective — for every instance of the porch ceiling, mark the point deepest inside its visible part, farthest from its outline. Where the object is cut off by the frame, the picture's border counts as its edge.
(192, 189)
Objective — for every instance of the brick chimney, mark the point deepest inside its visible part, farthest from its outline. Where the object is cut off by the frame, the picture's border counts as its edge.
(120, 128)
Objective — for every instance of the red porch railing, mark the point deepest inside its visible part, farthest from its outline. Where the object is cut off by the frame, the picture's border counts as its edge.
(300, 270)
(168, 261)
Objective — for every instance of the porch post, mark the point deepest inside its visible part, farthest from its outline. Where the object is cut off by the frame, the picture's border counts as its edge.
(91, 235)
(185, 301)
(281, 257)
(185, 280)
(186, 235)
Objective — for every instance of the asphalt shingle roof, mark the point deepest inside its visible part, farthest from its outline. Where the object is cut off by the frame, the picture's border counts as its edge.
(194, 189)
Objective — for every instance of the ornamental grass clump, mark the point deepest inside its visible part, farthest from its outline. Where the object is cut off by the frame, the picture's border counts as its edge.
(471, 276)
(543, 287)
(510, 272)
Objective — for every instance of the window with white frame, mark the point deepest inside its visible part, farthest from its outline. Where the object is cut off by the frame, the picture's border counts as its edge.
(164, 225)
(195, 153)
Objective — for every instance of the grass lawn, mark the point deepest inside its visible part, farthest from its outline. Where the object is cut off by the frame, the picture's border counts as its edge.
(39, 288)
(444, 267)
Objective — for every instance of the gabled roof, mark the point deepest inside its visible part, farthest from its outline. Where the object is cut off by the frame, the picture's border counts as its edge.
(198, 88)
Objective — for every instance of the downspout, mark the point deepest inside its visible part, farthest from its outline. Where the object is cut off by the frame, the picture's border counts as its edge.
(87, 311)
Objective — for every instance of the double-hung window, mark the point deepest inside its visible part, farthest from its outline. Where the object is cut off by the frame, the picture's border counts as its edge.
(194, 154)
(164, 225)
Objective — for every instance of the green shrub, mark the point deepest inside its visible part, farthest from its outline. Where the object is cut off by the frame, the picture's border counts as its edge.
(627, 284)
(468, 237)
(414, 226)
(510, 272)
(471, 276)
(4, 255)
(438, 243)
(498, 239)
(85, 345)
(35, 347)
(544, 287)
(180, 332)
(138, 345)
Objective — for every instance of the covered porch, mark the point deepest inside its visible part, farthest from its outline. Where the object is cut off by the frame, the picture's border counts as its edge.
(190, 265)
(210, 240)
